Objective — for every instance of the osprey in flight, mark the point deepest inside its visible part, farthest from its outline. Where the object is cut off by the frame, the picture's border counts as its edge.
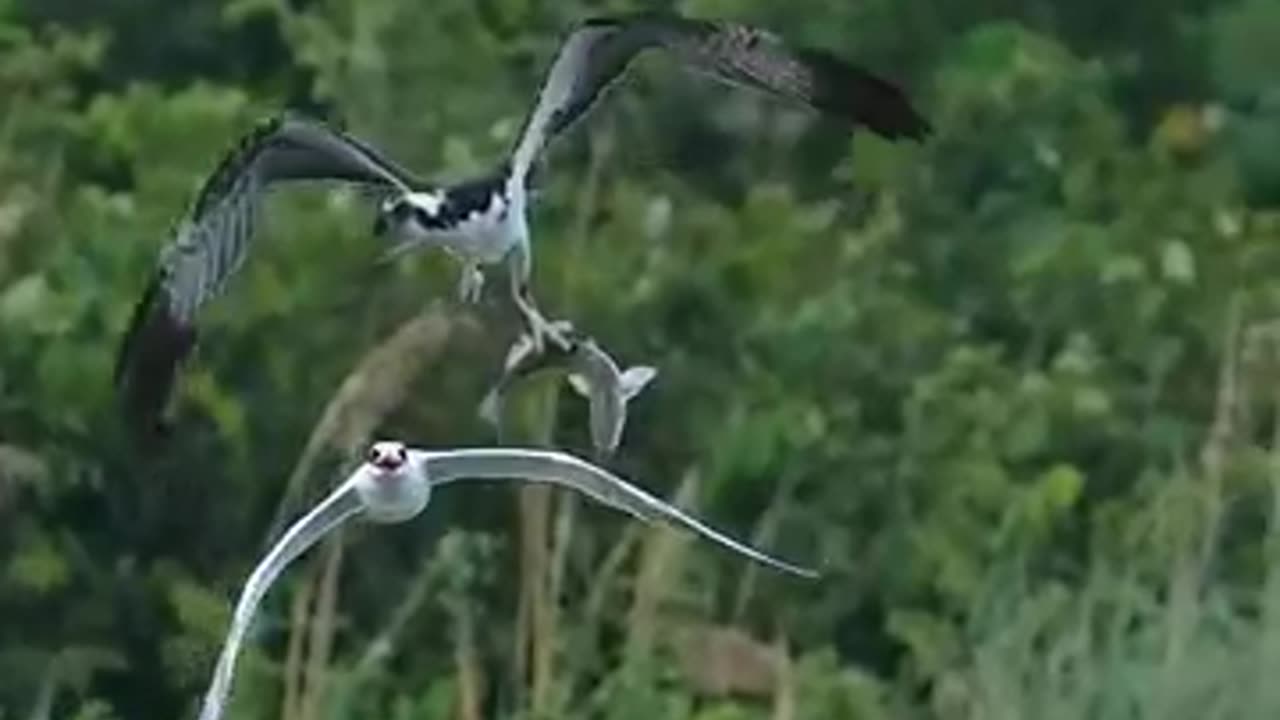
(483, 221)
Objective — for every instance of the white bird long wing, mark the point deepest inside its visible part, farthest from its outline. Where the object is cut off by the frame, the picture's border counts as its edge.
(558, 468)
(339, 506)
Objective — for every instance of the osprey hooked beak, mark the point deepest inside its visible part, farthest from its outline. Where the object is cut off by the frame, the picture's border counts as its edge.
(391, 209)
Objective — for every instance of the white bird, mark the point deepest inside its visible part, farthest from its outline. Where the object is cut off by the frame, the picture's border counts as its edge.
(591, 372)
(484, 222)
(395, 484)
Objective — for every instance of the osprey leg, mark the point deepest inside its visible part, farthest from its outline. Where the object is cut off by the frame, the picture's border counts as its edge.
(470, 283)
(539, 328)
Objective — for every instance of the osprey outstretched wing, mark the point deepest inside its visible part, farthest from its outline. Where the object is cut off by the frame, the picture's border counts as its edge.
(598, 50)
(212, 241)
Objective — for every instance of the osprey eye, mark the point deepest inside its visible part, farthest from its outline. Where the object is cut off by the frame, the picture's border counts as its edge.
(373, 455)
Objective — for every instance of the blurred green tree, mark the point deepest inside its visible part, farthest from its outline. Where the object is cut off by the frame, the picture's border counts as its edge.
(1013, 389)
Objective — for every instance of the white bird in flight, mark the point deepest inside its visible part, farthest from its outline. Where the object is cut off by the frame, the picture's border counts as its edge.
(394, 484)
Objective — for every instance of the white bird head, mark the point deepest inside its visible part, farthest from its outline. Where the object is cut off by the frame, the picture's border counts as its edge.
(388, 455)
(392, 486)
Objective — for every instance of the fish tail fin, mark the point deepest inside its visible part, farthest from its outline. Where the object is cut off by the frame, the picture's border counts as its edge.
(488, 409)
(636, 378)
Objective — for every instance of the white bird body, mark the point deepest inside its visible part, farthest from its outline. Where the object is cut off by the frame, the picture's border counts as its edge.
(391, 489)
(395, 484)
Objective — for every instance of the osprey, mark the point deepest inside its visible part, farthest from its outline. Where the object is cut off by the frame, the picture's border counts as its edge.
(212, 241)
(394, 484)
(484, 221)
(592, 373)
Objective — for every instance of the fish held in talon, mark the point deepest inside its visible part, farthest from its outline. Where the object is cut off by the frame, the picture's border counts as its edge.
(591, 372)
(525, 358)
(394, 484)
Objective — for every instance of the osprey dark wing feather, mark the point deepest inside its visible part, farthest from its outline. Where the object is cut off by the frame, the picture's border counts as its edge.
(599, 50)
(212, 242)
(759, 59)
(147, 365)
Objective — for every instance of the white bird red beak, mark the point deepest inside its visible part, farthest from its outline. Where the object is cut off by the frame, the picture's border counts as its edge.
(388, 463)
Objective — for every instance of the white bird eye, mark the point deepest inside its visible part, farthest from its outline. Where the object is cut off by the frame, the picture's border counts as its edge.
(373, 455)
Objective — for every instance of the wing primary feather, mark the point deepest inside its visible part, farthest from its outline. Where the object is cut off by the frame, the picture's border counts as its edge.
(288, 146)
(759, 59)
(850, 92)
(598, 50)
(308, 149)
(154, 347)
(549, 466)
(233, 164)
(211, 244)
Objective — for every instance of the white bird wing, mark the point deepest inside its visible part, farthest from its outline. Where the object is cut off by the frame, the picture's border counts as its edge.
(340, 505)
(565, 470)
(598, 50)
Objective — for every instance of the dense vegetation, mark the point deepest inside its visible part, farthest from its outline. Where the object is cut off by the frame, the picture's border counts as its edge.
(1014, 389)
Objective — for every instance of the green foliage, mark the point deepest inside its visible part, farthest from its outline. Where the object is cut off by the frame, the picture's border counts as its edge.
(1013, 389)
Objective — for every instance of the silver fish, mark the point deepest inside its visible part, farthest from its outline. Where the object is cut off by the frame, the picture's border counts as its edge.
(590, 371)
